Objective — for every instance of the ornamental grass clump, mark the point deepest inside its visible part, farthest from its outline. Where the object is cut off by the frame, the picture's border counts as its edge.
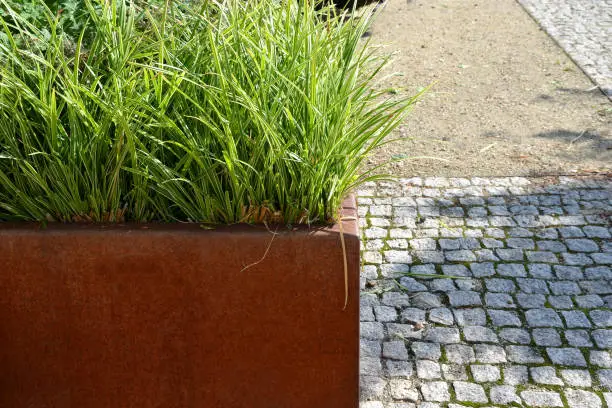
(212, 111)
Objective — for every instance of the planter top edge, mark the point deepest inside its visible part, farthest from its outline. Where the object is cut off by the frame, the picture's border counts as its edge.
(348, 218)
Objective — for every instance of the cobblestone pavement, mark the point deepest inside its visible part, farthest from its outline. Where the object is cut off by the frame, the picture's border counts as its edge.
(486, 292)
(583, 28)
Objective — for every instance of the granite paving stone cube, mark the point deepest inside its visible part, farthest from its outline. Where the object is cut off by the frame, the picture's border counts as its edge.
(511, 270)
(582, 399)
(582, 245)
(545, 375)
(469, 392)
(398, 368)
(541, 271)
(435, 391)
(565, 272)
(601, 318)
(524, 355)
(577, 378)
(509, 254)
(500, 285)
(528, 285)
(479, 334)
(394, 350)
(515, 375)
(428, 370)
(566, 357)
(499, 300)
(564, 288)
(470, 317)
(589, 301)
(560, 302)
(503, 318)
(461, 298)
(578, 338)
(504, 394)
(542, 398)
(575, 319)
(441, 315)
(428, 351)
(603, 338)
(459, 354)
(442, 335)
(485, 373)
(385, 313)
(605, 379)
(489, 354)
(403, 389)
(600, 358)
(515, 336)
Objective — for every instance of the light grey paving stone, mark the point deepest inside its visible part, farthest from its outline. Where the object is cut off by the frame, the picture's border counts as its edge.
(600, 358)
(401, 405)
(571, 232)
(385, 313)
(468, 392)
(603, 338)
(582, 245)
(489, 354)
(392, 270)
(396, 299)
(492, 243)
(442, 285)
(608, 398)
(397, 243)
(593, 231)
(605, 378)
(485, 373)
(542, 398)
(589, 301)
(582, 399)
(427, 404)
(394, 350)
(435, 391)
(565, 272)
(423, 244)
(576, 259)
(551, 246)
(564, 288)
(449, 244)
(509, 254)
(495, 233)
(500, 285)
(515, 336)
(598, 272)
(511, 270)
(484, 269)
(441, 315)
(370, 365)
(570, 357)
(498, 210)
(575, 319)
(501, 221)
(520, 243)
(479, 334)
(366, 314)
(371, 387)
(524, 355)
(456, 270)
(515, 375)
(504, 318)
(442, 335)
(459, 354)
(545, 375)
(547, 233)
(436, 257)
(427, 269)
(561, 302)
(399, 257)
(531, 301)
(499, 300)
(470, 317)
(428, 370)
(372, 257)
(601, 318)
(484, 255)
(427, 351)
(454, 372)
(598, 287)
(451, 232)
(572, 220)
(542, 256)
(397, 368)
(504, 394)
(369, 348)
(413, 315)
(400, 233)
(460, 256)
(403, 331)
(371, 331)
(402, 389)
(541, 271)
(469, 285)
(528, 285)
(577, 378)
(519, 232)
(578, 338)
(461, 298)
(426, 300)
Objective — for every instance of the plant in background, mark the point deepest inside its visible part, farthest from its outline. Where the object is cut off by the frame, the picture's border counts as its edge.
(213, 112)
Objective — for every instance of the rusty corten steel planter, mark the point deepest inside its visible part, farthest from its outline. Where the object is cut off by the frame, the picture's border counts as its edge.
(162, 316)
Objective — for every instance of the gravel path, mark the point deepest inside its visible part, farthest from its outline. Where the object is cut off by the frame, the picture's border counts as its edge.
(525, 320)
(583, 28)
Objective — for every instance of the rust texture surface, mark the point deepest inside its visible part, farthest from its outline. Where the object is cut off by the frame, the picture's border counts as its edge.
(164, 316)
